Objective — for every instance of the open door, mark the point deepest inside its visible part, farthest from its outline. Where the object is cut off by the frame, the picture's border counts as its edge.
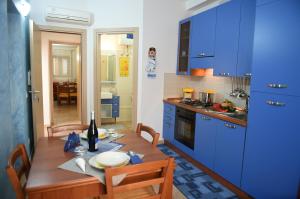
(36, 81)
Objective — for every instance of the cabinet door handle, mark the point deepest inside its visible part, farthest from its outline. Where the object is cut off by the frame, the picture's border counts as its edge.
(248, 74)
(272, 103)
(224, 74)
(230, 126)
(205, 118)
(277, 85)
(202, 54)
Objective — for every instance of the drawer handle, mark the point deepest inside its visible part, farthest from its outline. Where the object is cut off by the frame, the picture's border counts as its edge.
(248, 74)
(201, 54)
(205, 118)
(272, 103)
(224, 74)
(230, 126)
(277, 85)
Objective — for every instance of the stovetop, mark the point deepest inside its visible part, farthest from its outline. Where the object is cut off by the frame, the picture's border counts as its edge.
(195, 103)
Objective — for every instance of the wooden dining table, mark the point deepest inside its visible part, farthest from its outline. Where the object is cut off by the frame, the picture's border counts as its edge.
(47, 181)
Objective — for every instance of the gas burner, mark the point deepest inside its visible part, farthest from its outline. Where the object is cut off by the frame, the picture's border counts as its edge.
(195, 103)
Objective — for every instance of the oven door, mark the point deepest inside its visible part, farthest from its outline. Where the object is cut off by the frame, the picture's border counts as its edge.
(185, 127)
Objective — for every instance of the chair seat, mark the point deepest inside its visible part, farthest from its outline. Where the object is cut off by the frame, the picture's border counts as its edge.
(134, 194)
(73, 94)
(63, 95)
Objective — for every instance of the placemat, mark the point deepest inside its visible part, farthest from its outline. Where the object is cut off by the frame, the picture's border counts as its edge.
(70, 165)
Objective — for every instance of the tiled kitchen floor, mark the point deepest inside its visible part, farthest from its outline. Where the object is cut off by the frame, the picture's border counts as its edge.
(194, 183)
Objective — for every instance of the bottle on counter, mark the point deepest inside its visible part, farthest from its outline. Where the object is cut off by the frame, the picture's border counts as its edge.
(92, 134)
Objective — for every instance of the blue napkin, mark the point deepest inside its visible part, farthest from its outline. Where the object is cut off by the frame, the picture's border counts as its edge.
(72, 142)
(134, 159)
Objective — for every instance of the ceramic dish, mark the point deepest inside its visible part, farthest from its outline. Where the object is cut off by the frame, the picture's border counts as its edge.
(112, 158)
(102, 134)
(92, 161)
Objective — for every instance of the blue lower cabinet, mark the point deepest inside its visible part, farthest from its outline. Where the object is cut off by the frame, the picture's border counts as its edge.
(272, 148)
(169, 122)
(184, 149)
(229, 151)
(205, 139)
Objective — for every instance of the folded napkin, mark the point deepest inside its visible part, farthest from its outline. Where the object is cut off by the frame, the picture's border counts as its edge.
(72, 142)
(134, 158)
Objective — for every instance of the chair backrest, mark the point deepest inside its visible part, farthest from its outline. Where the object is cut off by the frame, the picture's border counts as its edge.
(61, 130)
(141, 176)
(63, 88)
(16, 170)
(140, 127)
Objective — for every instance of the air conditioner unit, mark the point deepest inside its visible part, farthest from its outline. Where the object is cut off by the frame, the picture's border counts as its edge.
(62, 15)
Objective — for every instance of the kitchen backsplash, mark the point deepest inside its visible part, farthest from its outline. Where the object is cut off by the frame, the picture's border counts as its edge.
(173, 85)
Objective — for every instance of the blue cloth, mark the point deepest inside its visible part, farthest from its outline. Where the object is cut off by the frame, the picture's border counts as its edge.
(135, 159)
(72, 142)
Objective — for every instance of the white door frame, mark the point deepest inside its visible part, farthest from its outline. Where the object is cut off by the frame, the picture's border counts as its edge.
(83, 34)
(97, 87)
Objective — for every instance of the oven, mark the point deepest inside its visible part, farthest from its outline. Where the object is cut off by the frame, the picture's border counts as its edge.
(185, 127)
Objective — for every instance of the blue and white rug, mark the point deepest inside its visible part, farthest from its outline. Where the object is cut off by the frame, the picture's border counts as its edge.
(193, 182)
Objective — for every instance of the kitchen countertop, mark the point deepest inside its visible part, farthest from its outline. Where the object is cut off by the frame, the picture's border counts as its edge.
(204, 111)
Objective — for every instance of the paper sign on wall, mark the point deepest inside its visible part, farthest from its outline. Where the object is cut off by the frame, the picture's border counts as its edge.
(124, 66)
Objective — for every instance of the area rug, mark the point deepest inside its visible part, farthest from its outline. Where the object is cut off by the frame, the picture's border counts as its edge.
(193, 183)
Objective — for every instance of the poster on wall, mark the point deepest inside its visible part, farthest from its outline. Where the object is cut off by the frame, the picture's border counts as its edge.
(124, 66)
(151, 67)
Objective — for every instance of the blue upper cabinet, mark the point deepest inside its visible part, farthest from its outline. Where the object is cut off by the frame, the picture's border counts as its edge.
(184, 47)
(234, 38)
(203, 39)
(260, 2)
(247, 24)
(205, 138)
(271, 160)
(229, 151)
(169, 122)
(227, 38)
(276, 60)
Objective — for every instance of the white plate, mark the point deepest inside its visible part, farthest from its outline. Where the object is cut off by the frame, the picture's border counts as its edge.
(93, 162)
(102, 133)
(112, 158)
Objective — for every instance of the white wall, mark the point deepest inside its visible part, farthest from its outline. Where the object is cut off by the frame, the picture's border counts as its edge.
(46, 38)
(158, 26)
(107, 14)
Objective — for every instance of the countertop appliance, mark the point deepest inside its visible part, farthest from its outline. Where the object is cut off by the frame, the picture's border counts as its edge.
(207, 97)
(185, 127)
(188, 93)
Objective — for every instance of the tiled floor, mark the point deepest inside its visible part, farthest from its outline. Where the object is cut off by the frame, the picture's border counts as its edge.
(194, 183)
(65, 113)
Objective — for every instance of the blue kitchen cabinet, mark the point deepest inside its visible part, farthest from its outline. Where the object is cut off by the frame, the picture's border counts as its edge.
(202, 45)
(115, 106)
(276, 47)
(272, 160)
(227, 38)
(246, 36)
(260, 2)
(184, 47)
(229, 151)
(169, 122)
(205, 140)
(234, 38)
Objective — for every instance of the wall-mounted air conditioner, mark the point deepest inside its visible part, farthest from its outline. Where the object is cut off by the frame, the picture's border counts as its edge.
(62, 15)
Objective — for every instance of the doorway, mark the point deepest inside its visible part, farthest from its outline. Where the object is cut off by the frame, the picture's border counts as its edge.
(65, 72)
(116, 79)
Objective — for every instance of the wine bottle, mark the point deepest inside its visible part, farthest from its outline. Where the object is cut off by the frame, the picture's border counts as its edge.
(92, 134)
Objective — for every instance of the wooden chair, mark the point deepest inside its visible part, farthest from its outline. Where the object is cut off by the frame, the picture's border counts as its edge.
(140, 127)
(140, 180)
(61, 130)
(16, 170)
(63, 93)
(72, 92)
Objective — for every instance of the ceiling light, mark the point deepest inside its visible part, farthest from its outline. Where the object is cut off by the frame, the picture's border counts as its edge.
(22, 6)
